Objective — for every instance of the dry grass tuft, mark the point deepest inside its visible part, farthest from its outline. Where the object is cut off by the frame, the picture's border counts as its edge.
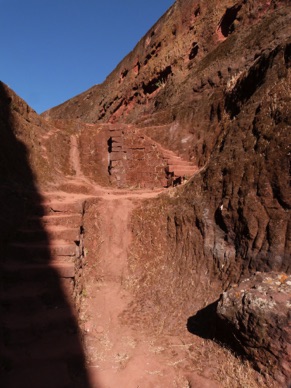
(223, 366)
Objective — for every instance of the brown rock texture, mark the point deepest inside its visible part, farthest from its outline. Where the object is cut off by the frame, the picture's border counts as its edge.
(173, 83)
(225, 108)
(258, 314)
(210, 81)
(27, 136)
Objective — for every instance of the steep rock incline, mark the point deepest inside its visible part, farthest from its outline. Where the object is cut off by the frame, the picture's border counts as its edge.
(119, 155)
(210, 81)
(174, 79)
(25, 136)
(232, 218)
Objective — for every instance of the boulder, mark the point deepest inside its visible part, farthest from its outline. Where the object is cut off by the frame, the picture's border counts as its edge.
(257, 312)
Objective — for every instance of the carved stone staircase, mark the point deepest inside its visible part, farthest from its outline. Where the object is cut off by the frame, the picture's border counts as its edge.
(176, 167)
(39, 336)
(52, 238)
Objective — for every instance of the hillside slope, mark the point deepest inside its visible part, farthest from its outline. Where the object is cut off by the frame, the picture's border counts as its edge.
(210, 81)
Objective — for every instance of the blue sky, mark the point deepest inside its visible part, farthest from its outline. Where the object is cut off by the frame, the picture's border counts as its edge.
(52, 50)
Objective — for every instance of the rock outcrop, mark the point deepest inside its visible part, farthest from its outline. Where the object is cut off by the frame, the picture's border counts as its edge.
(257, 314)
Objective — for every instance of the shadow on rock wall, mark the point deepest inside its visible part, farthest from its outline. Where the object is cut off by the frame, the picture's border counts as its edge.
(40, 344)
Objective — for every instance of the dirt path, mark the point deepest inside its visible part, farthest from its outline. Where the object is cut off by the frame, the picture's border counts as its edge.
(118, 356)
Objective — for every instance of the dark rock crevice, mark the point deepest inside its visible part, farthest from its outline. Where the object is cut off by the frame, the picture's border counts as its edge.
(227, 22)
(158, 82)
(248, 83)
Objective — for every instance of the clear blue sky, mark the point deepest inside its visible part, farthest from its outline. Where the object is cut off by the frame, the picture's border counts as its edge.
(52, 50)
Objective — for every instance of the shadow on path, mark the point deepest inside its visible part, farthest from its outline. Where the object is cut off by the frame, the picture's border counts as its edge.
(204, 322)
(40, 343)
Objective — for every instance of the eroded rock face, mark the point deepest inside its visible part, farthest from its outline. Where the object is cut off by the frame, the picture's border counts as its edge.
(173, 82)
(27, 136)
(258, 313)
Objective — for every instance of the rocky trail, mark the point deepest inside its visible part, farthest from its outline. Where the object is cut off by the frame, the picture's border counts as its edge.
(40, 274)
(117, 354)
(45, 275)
(37, 306)
(37, 309)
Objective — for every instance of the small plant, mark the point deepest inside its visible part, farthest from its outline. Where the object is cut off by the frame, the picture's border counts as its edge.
(84, 293)
(161, 83)
(232, 81)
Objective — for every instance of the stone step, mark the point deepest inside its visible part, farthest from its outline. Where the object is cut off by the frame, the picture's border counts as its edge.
(28, 306)
(59, 315)
(116, 155)
(15, 271)
(44, 251)
(179, 162)
(36, 374)
(34, 288)
(183, 173)
(68, 220)
(186, 167)
(170, 155)
(52, 207)
(116, 148)
(33, 312)
(25, 334)
(56, 345)
(32, 282)
(48, 232)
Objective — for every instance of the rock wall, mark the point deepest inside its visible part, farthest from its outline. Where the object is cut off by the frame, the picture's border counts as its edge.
(114, 155)
(172, 83)
(134, 161)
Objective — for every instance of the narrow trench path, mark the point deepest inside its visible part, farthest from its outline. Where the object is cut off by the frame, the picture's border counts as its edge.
(118, 355)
